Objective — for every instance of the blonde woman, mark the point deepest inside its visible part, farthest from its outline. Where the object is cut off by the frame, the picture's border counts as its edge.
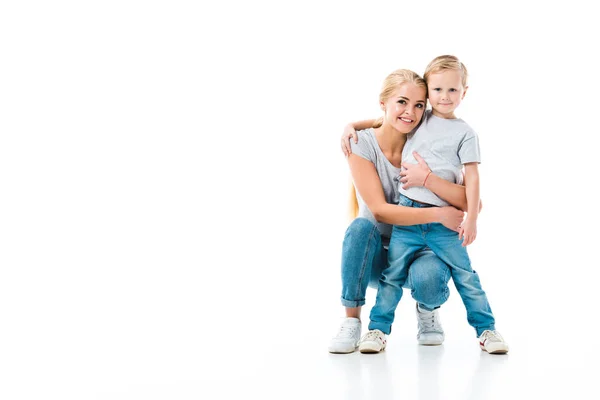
(375, 168)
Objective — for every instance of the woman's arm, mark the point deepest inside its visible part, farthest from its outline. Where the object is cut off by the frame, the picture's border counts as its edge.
(419, 175)
(369, 186)
(350, 132)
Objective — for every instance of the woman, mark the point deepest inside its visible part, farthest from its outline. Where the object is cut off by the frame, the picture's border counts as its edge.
(375, 169)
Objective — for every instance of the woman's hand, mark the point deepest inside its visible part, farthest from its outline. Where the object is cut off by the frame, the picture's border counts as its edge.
(413, 175)
(450, 217)
(349, 134)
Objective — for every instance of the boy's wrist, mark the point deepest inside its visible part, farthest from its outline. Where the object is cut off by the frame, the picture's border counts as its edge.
(471, 217)
(427, 177)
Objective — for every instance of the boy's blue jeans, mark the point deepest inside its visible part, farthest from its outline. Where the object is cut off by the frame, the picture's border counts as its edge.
(364, 259)
(405, 244)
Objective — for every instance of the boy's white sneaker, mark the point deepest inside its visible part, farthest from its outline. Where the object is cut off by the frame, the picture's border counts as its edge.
(493, 342)
(372, 342)
(430, 328)
(347, 338)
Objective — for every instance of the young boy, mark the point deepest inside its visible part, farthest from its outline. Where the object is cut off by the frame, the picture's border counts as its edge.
(446, 144)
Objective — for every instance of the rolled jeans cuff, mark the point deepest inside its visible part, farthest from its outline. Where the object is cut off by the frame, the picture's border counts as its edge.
(352, 303)
(481, 330)
(382, 326)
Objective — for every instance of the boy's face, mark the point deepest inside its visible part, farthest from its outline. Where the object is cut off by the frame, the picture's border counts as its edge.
(446, 92)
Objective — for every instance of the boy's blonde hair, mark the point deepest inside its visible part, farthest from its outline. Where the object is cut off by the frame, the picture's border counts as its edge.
(445, 63)
(394, 80)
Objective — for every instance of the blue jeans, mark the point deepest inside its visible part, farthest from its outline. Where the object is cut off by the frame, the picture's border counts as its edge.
(364, 258)
(405, 244)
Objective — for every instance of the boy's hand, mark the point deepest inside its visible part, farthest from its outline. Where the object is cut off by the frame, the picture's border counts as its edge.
(349, 133)
(468, 231)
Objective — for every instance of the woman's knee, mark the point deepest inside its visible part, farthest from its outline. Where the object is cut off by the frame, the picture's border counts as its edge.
(362, 253)
(360, 227)
(428, 277)
(360, 233)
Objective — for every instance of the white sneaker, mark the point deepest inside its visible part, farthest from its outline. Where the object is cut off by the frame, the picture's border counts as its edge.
(373, 342)
(347, 338)
(430, 328)
(493, 342)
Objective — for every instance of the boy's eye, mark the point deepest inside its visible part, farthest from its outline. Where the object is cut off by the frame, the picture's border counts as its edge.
(437, 89)
(453, 90)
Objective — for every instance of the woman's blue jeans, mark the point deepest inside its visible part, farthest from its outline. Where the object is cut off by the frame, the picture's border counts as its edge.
(364, 259)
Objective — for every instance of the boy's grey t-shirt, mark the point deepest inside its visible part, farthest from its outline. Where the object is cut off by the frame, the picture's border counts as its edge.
(368, 148)
(445, 145)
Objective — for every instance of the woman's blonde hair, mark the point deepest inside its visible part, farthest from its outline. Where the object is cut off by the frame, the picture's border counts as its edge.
(390, 84)
(445, 63)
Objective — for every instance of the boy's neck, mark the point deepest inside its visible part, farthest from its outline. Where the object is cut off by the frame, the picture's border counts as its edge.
(438, 114)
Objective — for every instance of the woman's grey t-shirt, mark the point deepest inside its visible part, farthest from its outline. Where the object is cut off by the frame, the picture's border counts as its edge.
(368, 148)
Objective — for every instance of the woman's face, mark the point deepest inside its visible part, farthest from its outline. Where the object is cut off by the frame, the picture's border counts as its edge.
(405, 107)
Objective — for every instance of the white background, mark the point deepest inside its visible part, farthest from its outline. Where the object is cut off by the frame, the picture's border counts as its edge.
(172, 191)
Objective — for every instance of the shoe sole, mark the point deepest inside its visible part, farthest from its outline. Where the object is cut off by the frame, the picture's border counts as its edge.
(342, 351)
(499, 350)
(370, 349)
(430, 343)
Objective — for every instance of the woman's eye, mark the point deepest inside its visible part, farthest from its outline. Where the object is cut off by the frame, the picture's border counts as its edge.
(402, 101)
(419, 105)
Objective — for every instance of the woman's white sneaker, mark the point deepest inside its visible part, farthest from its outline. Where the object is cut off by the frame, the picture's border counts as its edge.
(347, 338)
(372, 342)
(430, 328)
(493, 342)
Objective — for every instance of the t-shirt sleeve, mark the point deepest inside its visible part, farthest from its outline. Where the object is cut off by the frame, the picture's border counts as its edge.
(468, 150)
(364, 147)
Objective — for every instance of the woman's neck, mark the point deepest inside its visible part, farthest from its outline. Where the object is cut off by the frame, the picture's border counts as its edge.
(391, 143)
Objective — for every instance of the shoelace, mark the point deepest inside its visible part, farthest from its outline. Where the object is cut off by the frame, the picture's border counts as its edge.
(492, 336)
(428, 320)
(346, 331)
